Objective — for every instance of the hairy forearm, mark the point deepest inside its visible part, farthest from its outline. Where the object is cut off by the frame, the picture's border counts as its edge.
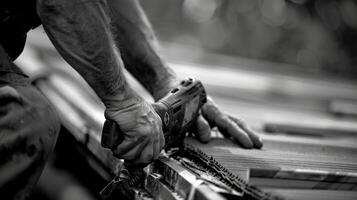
(80, 32)
(138, 46)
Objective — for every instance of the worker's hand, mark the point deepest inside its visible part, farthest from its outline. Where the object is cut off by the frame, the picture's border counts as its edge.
(228, 125)
(142, 132)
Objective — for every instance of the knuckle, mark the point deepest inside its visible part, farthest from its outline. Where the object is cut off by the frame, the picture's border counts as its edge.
(139, 140)
(239, 122)
(147, 157)
(144, 130)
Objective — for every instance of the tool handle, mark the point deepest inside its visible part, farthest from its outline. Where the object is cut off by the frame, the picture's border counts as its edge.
(112, 135)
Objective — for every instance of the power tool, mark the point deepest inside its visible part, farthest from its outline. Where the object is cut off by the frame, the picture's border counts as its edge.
(178, 111)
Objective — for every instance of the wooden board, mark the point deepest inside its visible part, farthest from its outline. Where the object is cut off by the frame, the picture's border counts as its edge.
(287, 164)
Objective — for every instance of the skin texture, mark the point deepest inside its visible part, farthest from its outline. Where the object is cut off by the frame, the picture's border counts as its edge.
(80, 31)
(98, 38)
(143, 137)
(230, 126)
(139, 47)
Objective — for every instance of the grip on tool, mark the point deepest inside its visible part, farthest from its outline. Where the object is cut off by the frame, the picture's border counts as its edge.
(112, 135)
(178, 111)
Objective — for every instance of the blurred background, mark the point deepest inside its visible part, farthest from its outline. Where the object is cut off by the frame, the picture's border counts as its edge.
(316, 35)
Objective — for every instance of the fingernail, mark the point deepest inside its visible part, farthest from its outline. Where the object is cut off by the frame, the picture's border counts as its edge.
(247, 144)
(259, 143)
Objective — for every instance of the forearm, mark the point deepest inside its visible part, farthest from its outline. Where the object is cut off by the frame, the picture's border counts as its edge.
(80, 32)
(138, 45)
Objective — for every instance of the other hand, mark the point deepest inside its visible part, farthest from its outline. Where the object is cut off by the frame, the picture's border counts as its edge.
(228, 125)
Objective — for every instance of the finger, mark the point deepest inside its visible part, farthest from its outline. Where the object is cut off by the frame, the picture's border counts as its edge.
(257, 141)
(159, 134)
(209, 111)
(231, 128)
(162, 141)
(202, 130)
(130, 148)
(146, 155)
(156, 147)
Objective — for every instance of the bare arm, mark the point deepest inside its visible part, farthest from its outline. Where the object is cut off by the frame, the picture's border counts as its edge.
(139, 47)
(80, 31)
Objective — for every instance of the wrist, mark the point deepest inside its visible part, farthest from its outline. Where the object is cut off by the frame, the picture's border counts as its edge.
(122, 100)
(165, 86)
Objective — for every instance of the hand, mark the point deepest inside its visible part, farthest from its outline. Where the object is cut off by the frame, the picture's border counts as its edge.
(228, 125)
(142, 132)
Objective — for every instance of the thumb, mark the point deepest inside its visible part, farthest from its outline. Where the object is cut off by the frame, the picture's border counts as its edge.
(202, 130)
